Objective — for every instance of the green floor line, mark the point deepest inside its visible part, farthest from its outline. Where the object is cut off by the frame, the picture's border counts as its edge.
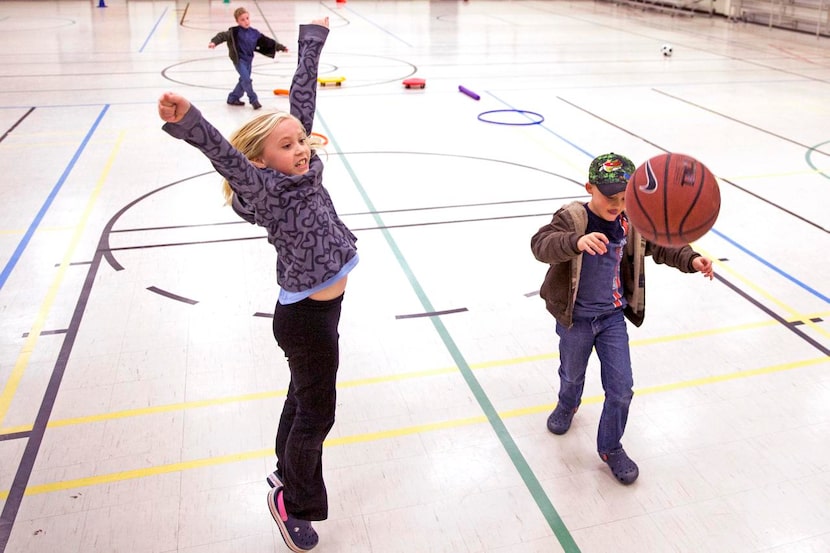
(542, 501)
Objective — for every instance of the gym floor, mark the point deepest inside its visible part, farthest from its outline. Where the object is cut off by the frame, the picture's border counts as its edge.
(141, 384)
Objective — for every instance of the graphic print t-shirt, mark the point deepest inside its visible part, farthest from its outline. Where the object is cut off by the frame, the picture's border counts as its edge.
(600, 287)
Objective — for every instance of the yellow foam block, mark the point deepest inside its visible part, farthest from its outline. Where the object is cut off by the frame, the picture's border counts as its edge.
(325, 81)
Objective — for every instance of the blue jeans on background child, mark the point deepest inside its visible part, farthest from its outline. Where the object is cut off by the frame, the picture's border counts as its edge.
(307, 333)
(609, 335)
(244, 85)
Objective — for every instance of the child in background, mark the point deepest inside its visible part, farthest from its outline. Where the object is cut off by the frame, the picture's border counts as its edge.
(596, 279)
(276, 180)
(243, 40)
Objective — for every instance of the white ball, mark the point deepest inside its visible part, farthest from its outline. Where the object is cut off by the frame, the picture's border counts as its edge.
(666, 50)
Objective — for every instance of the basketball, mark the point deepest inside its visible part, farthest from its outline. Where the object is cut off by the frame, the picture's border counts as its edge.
(672, 199)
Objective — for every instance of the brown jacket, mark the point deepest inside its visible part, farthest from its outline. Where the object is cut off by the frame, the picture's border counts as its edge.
(555, 244)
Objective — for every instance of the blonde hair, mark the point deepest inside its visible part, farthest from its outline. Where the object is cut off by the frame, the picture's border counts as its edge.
(250, 140)
(238, 12)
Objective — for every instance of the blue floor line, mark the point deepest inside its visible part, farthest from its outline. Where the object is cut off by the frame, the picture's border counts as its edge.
(27, 237)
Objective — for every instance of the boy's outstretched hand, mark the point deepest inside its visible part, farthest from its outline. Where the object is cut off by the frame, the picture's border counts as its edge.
(172, 107)
(704, 265)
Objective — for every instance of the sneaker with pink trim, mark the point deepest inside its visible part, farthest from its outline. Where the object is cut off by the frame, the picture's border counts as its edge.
(297, 534)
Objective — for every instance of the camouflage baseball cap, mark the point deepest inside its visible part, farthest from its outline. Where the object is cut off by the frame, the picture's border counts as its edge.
(610, 173)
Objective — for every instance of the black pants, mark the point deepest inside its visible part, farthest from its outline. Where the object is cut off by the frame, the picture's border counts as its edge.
(307, 333)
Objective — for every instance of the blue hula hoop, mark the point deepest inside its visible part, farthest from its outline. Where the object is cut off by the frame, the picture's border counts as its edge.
(539, 116)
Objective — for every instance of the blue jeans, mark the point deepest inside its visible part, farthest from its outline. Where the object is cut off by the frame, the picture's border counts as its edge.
(609, 335)
(244, 85)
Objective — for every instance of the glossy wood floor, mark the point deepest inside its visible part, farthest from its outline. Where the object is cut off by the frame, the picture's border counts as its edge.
(140, 384)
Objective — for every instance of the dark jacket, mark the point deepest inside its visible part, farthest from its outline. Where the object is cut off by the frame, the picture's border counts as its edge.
(555, 244)
(264, 45)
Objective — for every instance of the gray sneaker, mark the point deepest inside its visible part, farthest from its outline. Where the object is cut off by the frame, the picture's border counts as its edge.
(560, 420)
(274, 480)
(622, 467)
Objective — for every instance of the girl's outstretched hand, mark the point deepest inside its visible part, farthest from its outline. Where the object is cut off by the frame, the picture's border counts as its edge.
(172, 107)
(324, 22)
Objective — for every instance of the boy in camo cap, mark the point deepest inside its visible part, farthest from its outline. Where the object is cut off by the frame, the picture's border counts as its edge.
(595, 280)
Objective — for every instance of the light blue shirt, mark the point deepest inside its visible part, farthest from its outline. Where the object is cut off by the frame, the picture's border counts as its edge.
(287, 297)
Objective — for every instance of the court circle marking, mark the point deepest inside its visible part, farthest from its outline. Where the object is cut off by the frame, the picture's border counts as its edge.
(539, 116)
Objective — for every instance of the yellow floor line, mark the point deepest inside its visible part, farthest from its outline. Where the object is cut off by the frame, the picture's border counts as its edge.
(380, 435)
(673, 386)
(10, 389)
(141, 473)
(803, 172)
(4, 232)
(173, 407)
(795, 314)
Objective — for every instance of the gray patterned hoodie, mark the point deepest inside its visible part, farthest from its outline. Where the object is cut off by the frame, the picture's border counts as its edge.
(312, 243)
